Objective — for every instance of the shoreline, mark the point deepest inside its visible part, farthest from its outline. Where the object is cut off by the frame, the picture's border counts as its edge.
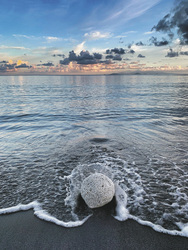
(23, 230)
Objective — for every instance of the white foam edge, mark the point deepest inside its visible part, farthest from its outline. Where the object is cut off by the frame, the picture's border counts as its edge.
(42, 214)
(160, 229)
(122, 214)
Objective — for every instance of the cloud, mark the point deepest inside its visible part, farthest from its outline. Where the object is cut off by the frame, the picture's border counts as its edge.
(109, 57)
(6, 66)
(141, 56)
(24, 65)
(157, 43)
(176, 20)
(140, 43)
(120, 36)
(130, 32)
(48, 64)
(114, 57)
(127, 59)
(87, 61)
(172, 53)
(4, 62)
(130, 45)
(117, 58)
(96, 35)
(184, 53)
(66, 61)
(80, 47)
(97, 55)
(134, 62)
(60, 55)
(116, 53)
(119, 12)
(106, 62)
(119, 51)
(45, 39)
(24, 36)
(149, 32)
(83, 58)
(86, 58)
(163, 24)
(51, 39)
(46, 51)
(13, 47)
(131, 51)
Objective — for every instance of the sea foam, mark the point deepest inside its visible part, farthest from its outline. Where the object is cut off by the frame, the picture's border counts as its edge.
(133, 197)
(121, 200)
(41, 214)
(121, 210)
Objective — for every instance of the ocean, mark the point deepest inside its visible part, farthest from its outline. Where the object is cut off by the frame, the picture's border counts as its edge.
(57, 130)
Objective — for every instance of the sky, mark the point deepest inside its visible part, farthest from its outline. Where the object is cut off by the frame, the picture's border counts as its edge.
(93, 36)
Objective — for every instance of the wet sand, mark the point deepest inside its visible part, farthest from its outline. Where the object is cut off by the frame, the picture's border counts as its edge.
(23, 230)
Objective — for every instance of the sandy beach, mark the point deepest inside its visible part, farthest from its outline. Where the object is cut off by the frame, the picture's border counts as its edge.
(23, 230)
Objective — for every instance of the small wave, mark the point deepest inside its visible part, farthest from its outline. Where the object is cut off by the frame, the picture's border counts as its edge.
(160, 229)
(41, 214)
(138, 195)
(122, 215)
(132, 197)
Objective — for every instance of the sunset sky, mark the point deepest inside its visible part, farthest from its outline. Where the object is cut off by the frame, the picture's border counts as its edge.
(93, 36)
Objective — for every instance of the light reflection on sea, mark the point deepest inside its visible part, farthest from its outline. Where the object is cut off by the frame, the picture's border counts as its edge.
(136, 126)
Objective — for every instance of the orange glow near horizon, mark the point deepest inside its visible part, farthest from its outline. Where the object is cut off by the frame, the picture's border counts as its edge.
(98, 68)
(10, 61)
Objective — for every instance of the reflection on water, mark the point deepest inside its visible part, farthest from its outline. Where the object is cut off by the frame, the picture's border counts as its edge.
(134, 125)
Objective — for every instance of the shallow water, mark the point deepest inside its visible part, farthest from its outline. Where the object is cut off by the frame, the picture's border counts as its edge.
(56, 130)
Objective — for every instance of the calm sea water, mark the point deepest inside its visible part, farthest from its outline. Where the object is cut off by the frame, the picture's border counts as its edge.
(56, 130)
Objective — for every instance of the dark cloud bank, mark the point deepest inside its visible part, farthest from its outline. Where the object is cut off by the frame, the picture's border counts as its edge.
(23, 66)
(48, 64)
(157, 43)
(85, 57)
(177, 19)
(5, 66)
(141, 56)
(174, 22)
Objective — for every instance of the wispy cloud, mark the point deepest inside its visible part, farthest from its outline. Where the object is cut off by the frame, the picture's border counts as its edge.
(123, 11)
(24, 36)
(51, 39)
(119, 36)
(96, 35)
(130, 32)
(46, 50)
(13, 47)
(47, 39)
(149, 32)
(79, 47)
